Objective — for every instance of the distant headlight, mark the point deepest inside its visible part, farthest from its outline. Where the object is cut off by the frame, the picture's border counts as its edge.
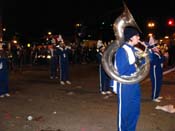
(10, 56)
(48, 56)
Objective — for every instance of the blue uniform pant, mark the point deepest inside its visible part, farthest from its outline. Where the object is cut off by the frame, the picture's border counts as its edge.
(156, 76)
(4, 82)
(64, 72)
(104, 80)
(128, 106)
(53, 67)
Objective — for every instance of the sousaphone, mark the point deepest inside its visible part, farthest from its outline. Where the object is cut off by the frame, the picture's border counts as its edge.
(124, 20)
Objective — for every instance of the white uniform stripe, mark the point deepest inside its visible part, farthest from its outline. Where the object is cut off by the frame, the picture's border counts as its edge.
(60, 68)
(131, 56)
(114, 83)
(100, 77)
(155, 80)
(120, 108)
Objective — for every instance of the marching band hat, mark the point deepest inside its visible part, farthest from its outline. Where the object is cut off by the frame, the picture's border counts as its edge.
(130, 32)
(99, 44)
(152, 42)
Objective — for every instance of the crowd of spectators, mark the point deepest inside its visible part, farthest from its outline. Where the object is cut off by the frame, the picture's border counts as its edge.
(80, 54)
(39, 55)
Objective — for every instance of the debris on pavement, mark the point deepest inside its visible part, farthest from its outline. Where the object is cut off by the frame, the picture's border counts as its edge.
(167, 108)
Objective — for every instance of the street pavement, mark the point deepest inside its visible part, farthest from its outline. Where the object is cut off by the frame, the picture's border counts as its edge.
(38, 103)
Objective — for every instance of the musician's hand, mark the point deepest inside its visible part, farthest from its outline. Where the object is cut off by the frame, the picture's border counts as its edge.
(166, 54)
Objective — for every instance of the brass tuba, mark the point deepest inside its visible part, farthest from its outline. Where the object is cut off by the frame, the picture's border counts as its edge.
(125, 19)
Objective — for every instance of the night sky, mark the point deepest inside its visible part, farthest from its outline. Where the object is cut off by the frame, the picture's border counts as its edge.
(53, 14)
(33, 17)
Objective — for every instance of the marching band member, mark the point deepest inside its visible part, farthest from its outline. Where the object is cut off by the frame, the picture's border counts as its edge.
(53, 62)
(63, 53)
(128, 94)
(157, 60)
(4, 78)
(104, 78)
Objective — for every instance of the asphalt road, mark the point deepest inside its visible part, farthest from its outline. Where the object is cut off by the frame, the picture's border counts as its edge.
(76, 107)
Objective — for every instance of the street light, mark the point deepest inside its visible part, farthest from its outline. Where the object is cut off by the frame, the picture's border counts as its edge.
(15, 41)
(150, 34)
(4, 29)
(151, 25)
(49, 33)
